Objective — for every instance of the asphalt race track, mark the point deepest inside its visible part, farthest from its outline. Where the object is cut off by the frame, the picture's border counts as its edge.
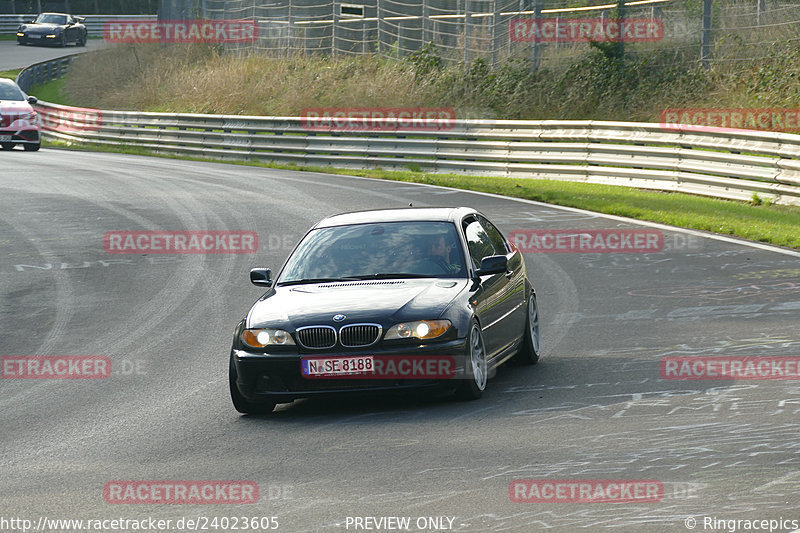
(13, 56)
(595, 408)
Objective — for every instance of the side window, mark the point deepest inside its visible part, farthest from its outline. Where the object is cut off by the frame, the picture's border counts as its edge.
(495, 236)
(479, 241)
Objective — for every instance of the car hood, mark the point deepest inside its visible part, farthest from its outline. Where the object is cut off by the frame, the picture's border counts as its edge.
(43, 27)
(379, 301)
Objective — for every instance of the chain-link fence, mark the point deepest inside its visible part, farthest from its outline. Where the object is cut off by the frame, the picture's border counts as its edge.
(702, 31)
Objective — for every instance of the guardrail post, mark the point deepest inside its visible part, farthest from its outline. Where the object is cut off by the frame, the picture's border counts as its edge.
(333, 30)
(762, 7)
(425, 22)
(290, 30)
(467, 32)
(620, 17)
(705, 44)
(536, 46)
(379, 16)
(495, 40)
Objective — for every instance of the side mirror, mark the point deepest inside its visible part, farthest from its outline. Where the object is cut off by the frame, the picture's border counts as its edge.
(493, 264)
(32, 100)
(261, 277)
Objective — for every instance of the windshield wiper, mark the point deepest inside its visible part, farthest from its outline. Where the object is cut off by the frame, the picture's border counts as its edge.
(314, 280)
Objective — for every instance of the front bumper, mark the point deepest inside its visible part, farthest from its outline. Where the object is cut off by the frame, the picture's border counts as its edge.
(278, 377)
(20, 136)
(34, 38)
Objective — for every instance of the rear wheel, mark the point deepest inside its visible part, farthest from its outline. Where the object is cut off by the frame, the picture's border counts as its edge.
(81, 40)
(7, 146)
(31, 147)
(476, 371)
(532, 341)
(242, 404)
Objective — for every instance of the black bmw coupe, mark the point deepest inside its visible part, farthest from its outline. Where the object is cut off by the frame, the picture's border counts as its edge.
(53, 29)
(386, 300)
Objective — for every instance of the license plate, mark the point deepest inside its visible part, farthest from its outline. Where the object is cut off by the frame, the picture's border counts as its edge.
(337, 366)
(5, 138)
(34, 36)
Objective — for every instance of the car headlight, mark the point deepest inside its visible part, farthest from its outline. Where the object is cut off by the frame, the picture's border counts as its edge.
(421, 329)
(261, 338)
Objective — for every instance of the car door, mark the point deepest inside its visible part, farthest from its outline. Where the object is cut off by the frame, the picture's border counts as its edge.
(513, 320)
(71, 29)
(497, 301)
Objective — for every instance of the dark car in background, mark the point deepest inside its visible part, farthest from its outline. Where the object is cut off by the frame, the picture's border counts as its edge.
(386, 300)
(19, 121)
(53, 29)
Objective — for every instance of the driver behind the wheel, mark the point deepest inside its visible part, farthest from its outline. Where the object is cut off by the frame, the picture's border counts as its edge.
(439, 252)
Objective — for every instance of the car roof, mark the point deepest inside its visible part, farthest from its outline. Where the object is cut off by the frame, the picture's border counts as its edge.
(407, 214)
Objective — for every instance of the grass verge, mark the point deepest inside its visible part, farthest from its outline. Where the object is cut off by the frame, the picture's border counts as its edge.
(12, 74)
(772, 224)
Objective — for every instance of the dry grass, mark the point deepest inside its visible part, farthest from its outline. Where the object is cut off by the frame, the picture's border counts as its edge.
(199, 79)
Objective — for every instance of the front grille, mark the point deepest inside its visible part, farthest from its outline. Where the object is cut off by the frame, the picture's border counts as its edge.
(359, 335)
(317, 336)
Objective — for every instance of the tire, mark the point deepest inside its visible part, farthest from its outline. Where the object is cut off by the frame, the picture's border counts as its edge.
(242, 404)
(474, 383)
(82, 40)
(532, 339)
(63, 42)
(32, 147)
(7, 146)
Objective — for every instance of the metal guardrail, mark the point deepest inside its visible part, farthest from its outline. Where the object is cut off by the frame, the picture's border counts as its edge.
(732, 164)
(43, 72)
(94, 23)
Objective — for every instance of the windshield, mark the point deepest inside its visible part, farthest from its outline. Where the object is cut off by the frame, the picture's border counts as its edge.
(362, 251)
(11, 92)
(48, 18)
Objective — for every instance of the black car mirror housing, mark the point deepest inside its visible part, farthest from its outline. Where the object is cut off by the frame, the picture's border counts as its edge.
(493, 264)
(261, 277)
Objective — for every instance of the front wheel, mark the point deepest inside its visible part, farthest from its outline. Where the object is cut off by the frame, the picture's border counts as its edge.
(63, 42)
(242, 404)
(32, 147)
(476, 369)
(532, 341)
(7, 146)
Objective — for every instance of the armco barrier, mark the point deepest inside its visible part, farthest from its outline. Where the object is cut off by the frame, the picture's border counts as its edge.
(43, 72)
(732, 164)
